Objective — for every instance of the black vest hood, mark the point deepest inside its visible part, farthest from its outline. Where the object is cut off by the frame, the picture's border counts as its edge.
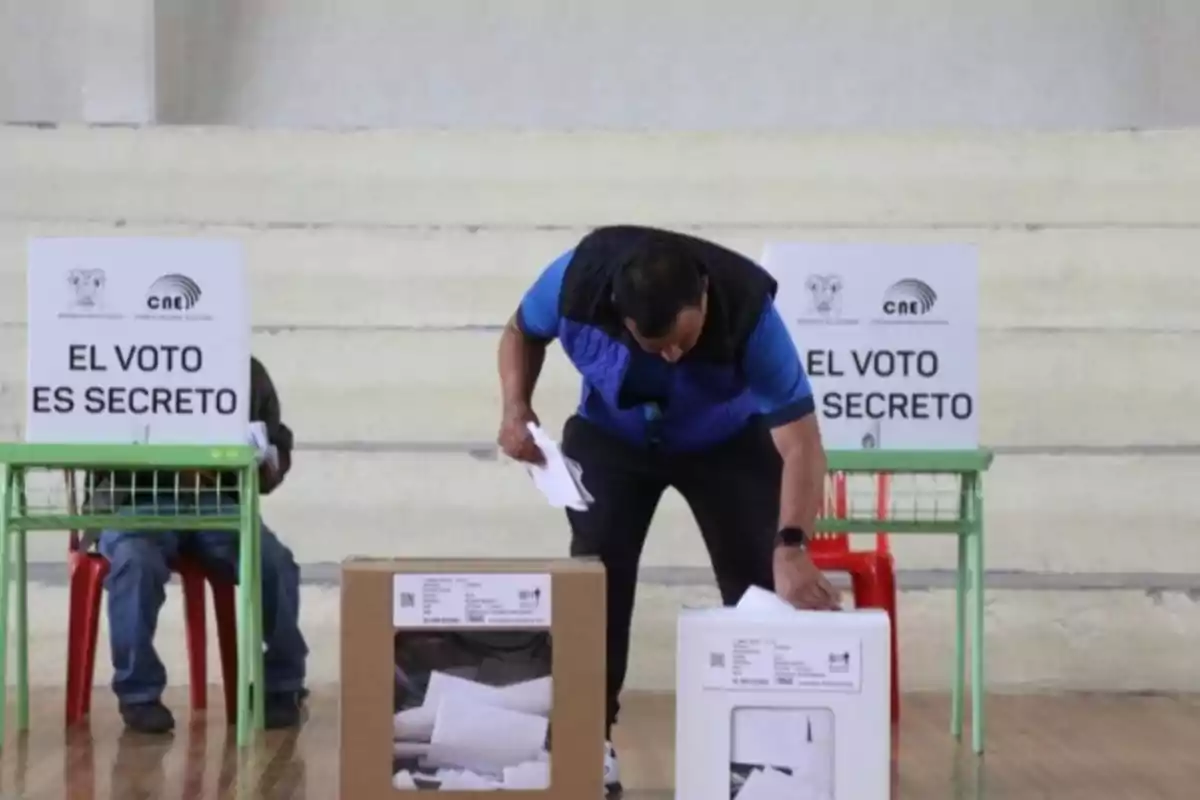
(738, 288)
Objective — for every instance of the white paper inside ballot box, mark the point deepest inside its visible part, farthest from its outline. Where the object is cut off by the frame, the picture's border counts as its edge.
(797, 739)
(531, 697)
(489, 760)
(466, 726)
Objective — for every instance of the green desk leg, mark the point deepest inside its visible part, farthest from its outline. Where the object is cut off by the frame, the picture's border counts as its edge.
(245, 616)
(978, 578)
(20, 576)
(5, 516)
(250, 648)
(260, 676)
(960, 635)
(957, 711)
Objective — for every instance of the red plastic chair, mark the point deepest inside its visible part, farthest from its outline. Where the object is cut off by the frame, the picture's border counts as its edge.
(87, 573)
(872, 572)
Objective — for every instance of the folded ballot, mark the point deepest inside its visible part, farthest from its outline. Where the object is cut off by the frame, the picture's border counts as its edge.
(758, 599)
(559, 479)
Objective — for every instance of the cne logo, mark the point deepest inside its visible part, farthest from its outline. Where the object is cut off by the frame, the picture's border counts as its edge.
(173, 292)
(909, 298)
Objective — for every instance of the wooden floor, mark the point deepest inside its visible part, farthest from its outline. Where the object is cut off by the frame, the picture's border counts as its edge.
(1089, 747)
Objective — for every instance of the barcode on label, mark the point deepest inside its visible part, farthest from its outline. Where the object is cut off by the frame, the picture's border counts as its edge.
(716, 660)
(407, 600)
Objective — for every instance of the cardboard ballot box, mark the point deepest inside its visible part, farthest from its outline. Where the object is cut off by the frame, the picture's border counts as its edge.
(782, 705)
(461, 676)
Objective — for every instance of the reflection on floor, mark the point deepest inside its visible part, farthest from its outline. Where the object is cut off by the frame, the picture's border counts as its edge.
(1081, 746)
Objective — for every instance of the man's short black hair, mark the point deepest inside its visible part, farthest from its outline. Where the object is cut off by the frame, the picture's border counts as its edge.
(659, 280)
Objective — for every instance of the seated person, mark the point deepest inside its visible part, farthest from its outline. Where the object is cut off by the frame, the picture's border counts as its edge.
(139, 573)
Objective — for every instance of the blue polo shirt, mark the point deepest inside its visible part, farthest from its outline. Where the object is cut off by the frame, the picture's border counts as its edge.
(771, 365)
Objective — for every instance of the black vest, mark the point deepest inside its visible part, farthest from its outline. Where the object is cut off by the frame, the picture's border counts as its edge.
(709, 400)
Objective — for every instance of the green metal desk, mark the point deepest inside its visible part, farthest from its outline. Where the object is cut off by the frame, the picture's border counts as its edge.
(26, 507)
(936, 509)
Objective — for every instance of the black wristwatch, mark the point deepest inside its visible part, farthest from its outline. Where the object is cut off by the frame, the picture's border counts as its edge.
(791, 537)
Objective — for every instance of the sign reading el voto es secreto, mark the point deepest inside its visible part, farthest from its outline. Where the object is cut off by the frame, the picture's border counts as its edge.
(137, 340)
(889, 336)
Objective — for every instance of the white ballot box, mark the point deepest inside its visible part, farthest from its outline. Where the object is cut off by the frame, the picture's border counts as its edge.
(778, 704)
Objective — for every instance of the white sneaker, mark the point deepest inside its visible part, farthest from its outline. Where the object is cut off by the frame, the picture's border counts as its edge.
(612, 771)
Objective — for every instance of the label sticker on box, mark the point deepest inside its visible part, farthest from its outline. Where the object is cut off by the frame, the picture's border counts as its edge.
(490, 600)
(785, 663)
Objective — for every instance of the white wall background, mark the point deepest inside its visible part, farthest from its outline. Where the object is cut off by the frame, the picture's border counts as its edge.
(382, 263)
(624, 64)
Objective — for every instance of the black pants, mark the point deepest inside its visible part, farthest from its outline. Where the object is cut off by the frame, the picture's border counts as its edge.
(732, 489)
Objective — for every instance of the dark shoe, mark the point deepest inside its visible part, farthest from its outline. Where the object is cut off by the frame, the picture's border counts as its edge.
(283, 709)
(152, 717)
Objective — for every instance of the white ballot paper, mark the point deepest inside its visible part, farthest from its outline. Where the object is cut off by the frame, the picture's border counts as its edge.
(560, 478)
(758, 599)
(770, 784)
(257, 437)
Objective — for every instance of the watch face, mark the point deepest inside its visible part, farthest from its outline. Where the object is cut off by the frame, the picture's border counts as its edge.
(791, 536)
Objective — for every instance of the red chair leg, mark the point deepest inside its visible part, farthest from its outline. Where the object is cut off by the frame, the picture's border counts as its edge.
(197, 635)
(83, 632)
(226, 614)
(865, 585)
(95, 609)
(76, 636)
(860, 589)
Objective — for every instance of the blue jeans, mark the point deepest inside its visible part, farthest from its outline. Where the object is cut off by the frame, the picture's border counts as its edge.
(136, 583)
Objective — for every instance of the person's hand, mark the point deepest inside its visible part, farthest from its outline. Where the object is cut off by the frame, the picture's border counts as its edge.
(515, 440)
(799, 582)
